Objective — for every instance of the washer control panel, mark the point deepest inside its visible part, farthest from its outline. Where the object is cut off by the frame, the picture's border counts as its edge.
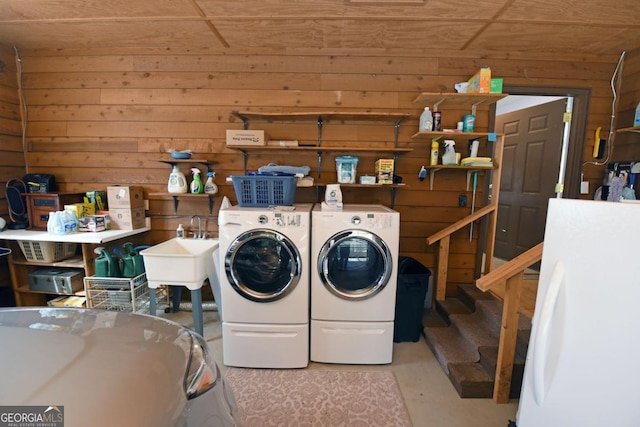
(371, 221)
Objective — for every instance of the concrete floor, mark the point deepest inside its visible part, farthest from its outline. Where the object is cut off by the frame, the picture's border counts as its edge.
(428, 394)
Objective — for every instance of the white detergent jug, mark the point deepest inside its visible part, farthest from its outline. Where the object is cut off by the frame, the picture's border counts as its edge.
(332, 198)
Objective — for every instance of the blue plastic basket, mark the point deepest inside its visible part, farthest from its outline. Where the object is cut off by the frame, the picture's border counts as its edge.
(262, 190)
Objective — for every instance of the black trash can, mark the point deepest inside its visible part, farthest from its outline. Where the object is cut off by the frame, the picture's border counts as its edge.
(413, 282)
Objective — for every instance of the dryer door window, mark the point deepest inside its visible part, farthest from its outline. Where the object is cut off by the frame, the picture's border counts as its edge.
(355, 264)
(263, 265)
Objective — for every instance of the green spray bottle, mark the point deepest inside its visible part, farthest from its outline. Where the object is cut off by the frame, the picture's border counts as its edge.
(196, 184)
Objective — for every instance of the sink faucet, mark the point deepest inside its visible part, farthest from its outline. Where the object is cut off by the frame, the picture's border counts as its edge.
(201, 234)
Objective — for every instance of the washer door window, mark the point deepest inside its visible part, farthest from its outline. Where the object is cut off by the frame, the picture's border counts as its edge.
(355, 264)
(263, 265)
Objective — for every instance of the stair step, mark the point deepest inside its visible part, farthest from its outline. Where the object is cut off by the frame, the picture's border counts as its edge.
(474, 328)
(451, 306)
(464, 333)
(489, 361)
(449, 346)
(433, 319)
(471, 380)
(469, 294)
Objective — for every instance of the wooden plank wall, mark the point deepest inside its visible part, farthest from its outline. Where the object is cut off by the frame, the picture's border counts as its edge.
(12, 162)
(104, 118)
(626, 145)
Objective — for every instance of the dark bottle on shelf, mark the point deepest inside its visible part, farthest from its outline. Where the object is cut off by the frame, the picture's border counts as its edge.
(437, 121)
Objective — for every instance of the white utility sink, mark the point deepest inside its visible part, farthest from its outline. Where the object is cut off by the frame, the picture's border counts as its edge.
(183, 262)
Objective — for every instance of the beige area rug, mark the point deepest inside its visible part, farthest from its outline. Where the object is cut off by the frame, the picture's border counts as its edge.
(315, 397)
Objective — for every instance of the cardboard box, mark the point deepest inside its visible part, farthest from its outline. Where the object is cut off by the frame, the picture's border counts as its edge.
(384, 171)
(245, 137)
(481, 81)
(496, 86)
(81, 209)
(125, 197)
(94, 223)
(127, 219)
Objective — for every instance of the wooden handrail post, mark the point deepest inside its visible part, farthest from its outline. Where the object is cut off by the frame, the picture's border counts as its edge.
(443, 265)
(508, 337)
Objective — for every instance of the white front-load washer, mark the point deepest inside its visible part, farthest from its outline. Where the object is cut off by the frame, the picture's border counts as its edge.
(354, 257)
(264, 286)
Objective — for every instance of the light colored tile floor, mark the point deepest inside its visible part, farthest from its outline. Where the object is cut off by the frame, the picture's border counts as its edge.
(429, 396)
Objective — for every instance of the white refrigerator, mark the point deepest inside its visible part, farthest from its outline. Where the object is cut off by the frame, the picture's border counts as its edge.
(583, 361)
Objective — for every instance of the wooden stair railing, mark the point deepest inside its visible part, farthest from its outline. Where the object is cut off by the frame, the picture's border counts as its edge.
(513, 273)
(444, 237)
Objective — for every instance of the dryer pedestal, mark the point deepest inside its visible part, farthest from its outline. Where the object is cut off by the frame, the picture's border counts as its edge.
(365, 343)
(247, 345)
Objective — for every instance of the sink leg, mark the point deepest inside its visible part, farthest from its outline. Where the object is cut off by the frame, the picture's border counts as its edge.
(152, 301)
(176, 296)
(196, 301)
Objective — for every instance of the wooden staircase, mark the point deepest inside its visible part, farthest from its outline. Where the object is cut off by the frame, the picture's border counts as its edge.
(464, 334)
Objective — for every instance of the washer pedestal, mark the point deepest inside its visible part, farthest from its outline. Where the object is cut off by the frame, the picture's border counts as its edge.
(352, 342)
(248, 345)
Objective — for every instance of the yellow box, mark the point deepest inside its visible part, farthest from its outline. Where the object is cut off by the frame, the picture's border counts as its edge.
(481, 81)
(384, 171)
(81, 209)
(245, 137)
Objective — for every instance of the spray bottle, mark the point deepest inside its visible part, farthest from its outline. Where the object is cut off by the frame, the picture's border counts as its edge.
(210, 187)
(196, 184)
(435, 147)
(449, 156)
(177, 181)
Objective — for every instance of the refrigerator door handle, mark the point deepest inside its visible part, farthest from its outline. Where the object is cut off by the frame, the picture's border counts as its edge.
(542, 335)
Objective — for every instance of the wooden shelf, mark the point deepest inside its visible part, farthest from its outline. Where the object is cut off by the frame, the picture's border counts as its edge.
(27, 290)
(74, 262)
(458, 99)
(454, 135)
(382, 186)
(634, 129)
(315, 148)
(324, 115)
(177, 196)
(469, 169)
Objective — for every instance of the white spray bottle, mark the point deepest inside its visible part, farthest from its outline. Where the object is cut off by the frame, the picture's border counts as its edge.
(210, 187)
(177, 181)
(449, 156)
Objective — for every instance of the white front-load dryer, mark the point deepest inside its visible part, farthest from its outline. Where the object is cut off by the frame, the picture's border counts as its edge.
(264, 286)
(354, 259)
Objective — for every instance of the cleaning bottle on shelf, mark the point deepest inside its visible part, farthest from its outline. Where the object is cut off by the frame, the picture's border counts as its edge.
(449, 156)
(435, 147)
(196, 184)
(177, 181)
(426, 121)
(210, 187)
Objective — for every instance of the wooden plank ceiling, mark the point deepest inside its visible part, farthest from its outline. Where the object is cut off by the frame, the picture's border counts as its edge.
(556, 29)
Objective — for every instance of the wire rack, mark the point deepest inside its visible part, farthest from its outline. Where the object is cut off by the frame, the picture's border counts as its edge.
(122, 294)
